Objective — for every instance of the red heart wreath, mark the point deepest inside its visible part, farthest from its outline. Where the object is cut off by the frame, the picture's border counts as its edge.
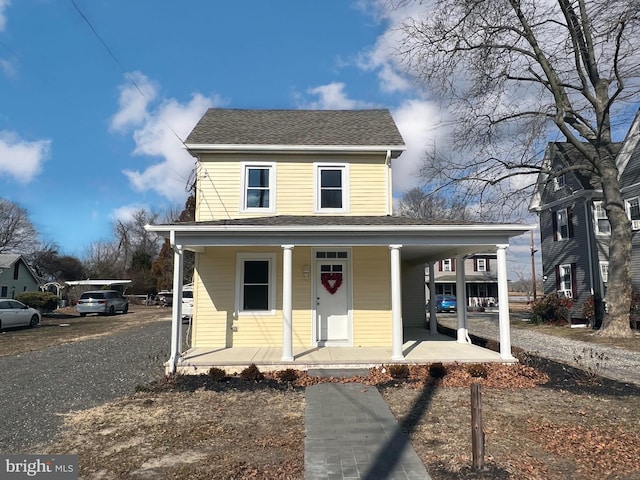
(331, 281)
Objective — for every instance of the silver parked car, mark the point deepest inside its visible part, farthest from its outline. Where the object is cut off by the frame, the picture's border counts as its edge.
(106, 302)
(16, 314)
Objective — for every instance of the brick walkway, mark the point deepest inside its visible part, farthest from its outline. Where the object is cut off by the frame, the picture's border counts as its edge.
(352, 434)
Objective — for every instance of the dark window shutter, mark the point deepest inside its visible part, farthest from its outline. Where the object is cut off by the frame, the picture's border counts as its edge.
(557, 277)
(440, 265)
(453, 264)
(554, 220)
(488, 264)
(570, 221)
(574, 282)
(475, 264)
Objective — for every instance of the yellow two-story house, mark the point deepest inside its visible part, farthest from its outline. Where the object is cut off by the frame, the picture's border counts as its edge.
(296, 245)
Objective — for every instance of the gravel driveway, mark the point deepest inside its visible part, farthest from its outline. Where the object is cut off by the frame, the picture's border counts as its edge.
(38, 387)
(621, 364)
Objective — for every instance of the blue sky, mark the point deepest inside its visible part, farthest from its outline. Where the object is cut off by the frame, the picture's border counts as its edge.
(81, 145)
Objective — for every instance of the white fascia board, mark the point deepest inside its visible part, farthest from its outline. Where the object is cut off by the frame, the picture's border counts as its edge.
(199, 147)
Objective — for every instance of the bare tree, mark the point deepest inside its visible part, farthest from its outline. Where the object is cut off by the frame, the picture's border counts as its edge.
(417, 203)
(17, 233)
(512, 72)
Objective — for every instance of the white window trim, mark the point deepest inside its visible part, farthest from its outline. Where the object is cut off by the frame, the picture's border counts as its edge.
(635, 224)
(559, 225)
(600, 203)
(317, 167)
(561, 279)
(245, 166)
(481, 264)
(447, 265)
(240, 259)
(559, 181)
(604, 266)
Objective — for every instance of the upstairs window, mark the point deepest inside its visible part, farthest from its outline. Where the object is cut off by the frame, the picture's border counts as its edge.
(481, 265)
(447, 265)
(16, 271)
(633, 212)
(600, 219)
(562, 224)
(258, 187)
(559, 182)
(331, 193)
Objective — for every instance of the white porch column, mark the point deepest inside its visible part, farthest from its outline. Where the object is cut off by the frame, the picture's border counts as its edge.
(461, 299)
(287, 303)
(433, 321)
(176, 310)
(503, 304)
(396, 305)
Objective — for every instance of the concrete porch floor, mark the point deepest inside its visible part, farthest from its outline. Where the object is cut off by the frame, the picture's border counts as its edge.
(419, 347)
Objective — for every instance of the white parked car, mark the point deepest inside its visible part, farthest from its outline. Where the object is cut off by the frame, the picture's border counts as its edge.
(187, 302)
(106, 302)
(16, 314)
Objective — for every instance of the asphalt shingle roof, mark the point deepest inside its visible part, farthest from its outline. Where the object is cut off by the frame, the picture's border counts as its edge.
(329, 220)
(296, 127)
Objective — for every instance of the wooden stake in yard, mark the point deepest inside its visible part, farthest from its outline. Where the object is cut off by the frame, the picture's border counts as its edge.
(477, 430)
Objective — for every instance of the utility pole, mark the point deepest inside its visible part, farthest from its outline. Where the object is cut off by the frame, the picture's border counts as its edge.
(533, 266)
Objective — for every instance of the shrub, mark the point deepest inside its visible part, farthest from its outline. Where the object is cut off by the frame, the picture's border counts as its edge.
(43, 301)
(551, 309)
(477, 370)
(399, 371)
(589, 309)
(251, 373)
(216, 374)
(288, 375)
(437, 370)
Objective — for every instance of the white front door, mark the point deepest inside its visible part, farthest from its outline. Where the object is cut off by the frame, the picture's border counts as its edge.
(332, 300)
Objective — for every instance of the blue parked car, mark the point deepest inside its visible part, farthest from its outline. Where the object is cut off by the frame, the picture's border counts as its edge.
(445, 303)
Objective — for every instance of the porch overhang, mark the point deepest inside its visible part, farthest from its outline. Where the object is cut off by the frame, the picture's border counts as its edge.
(421, 241)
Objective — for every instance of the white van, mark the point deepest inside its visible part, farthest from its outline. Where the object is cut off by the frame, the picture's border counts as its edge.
(187, 302)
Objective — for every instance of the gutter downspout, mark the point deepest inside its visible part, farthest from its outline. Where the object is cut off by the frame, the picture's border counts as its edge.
(176, 310)
(388, 181)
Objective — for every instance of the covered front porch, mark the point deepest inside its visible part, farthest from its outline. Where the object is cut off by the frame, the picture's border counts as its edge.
(419, 347)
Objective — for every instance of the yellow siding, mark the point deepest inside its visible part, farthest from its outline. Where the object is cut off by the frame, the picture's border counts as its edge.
(371, 296)
(214, 305)
(219, 183)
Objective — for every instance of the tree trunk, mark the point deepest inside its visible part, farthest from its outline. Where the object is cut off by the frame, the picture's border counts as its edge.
(618, 296)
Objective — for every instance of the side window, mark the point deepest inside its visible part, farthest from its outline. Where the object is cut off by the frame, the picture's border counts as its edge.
(604, 271)
(600, 219)
(258, 187)
(562, 224)
(331, 188)
(566, 280)
(16, 271)
(481, 264)
(559, 182)
(255, 283)
(633, 212)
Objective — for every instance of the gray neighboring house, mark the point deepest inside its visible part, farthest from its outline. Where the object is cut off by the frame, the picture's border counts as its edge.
(16, 276)
(480, 277)
(574, 229)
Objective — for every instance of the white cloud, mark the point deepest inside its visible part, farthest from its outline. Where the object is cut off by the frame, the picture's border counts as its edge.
(126, 212)
(417, 121)
(22, 159)
(135, 96)
(333, 97)
(157, 131)
(4, 4)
